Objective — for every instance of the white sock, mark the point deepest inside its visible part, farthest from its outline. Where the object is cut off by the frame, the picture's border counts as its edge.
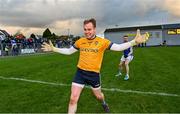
(119, 71)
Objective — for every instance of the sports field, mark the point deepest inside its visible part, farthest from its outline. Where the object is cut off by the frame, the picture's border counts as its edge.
(41, 83)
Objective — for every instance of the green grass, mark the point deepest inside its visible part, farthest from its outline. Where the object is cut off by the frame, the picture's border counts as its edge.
(154, 69)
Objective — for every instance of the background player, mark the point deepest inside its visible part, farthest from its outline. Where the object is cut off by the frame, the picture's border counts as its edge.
(126, 58)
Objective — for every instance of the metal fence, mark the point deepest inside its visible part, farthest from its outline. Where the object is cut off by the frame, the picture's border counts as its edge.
(9, 49)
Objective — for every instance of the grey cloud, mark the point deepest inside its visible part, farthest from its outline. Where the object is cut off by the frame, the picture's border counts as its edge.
(43, 13)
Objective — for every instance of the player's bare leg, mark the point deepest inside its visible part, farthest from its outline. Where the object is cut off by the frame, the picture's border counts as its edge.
(100, 96)
(120, 68)
(75, 94)
(127, 69)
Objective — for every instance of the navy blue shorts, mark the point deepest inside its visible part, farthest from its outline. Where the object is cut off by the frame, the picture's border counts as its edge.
(87, 78)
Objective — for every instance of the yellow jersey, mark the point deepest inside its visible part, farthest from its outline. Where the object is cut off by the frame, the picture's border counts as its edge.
(91, 53)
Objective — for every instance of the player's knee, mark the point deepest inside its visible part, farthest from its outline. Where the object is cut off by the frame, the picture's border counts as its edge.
(74, 99)
(99, 96)
(126, 64)
(120, 65)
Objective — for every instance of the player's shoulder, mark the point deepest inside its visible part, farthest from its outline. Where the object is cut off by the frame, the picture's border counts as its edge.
(101, 38)
(81, 39)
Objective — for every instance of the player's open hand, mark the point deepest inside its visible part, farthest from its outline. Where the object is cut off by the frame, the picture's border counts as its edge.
(47, 47)
(141, 38)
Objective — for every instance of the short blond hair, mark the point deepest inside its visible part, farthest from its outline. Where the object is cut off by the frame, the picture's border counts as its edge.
(92, 20)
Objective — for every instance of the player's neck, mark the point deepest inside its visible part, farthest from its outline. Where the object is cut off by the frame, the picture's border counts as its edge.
(92, 38)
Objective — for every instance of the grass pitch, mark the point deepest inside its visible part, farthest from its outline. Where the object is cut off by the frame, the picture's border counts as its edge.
(153, 69)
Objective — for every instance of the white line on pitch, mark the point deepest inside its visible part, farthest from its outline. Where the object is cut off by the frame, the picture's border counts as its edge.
(105, 89)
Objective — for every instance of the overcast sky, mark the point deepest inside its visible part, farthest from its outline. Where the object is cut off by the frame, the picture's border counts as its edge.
(34, 16)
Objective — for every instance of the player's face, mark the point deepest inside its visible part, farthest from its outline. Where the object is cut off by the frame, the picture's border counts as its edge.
(125, 39)
(89, 30)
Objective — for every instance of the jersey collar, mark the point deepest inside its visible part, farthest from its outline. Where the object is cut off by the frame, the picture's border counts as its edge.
(92, 38)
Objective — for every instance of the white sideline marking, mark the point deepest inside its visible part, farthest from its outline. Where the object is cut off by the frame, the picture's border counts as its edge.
(34, 81)
(105, 89)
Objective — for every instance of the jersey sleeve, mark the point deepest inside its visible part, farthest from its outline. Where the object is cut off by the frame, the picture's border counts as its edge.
(107, 44)
(76, 44)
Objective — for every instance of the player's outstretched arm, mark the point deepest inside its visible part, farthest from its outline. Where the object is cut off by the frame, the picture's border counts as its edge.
(50, 47)
(137, 40)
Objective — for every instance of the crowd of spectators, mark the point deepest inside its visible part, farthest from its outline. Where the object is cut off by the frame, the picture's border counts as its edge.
(13, 46)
